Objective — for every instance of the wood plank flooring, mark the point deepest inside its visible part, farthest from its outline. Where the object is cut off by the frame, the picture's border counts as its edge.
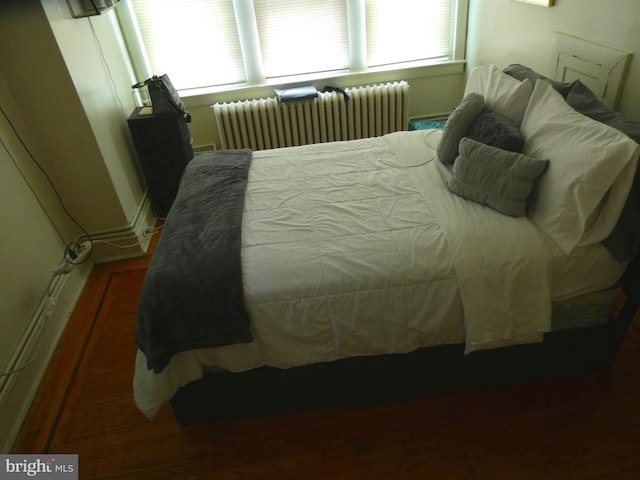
(574, 428)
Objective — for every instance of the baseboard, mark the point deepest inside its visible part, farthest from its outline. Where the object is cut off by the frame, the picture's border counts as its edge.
(41, 337)
(34, 352)
(129, 241)
(205, 147)
(433, 117)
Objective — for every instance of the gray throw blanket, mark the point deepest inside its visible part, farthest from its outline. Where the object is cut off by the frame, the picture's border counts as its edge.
(192, 295)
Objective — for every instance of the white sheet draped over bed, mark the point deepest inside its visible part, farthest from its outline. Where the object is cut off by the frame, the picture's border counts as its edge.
(503, 264)
(358, 248)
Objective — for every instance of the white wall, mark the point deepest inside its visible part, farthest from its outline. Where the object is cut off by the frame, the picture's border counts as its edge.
(31, 247)
(94, 57)
(65, 86)
(506, 31)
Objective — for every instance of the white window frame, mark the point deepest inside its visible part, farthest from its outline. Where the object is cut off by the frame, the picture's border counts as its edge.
(256, 83)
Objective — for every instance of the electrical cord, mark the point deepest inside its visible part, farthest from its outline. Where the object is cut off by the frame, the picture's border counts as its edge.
(429, 160)
(69, 252)
(151, 231)
(39, 327)
(37, 331)
(71, 248)
(22, 174)
(106, 65)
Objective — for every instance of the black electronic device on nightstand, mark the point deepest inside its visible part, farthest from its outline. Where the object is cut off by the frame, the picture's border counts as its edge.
(163, 144)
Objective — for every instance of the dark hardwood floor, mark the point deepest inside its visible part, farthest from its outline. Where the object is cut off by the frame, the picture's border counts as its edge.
(572, 428)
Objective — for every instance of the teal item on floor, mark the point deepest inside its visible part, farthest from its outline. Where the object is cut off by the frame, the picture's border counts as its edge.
(426, 124)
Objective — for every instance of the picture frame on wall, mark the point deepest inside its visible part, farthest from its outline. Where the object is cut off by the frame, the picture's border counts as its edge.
(541, 3)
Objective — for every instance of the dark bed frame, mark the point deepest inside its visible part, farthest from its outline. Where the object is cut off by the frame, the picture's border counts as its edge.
(428, 371)
(360, 381)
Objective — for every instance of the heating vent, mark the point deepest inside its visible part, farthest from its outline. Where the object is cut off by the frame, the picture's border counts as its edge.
(265, 123)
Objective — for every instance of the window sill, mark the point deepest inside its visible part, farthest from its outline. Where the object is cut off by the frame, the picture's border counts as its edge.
(227, 93)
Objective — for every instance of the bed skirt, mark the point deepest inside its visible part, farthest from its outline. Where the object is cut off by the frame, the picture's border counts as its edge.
(361, 381)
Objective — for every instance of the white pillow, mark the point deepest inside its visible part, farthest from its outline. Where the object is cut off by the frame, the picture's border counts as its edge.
(588, 160)
(501, 92)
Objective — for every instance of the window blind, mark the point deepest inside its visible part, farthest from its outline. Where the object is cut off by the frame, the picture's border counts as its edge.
(195, 42)
(408, 30)
(202, 43)
(302, 37)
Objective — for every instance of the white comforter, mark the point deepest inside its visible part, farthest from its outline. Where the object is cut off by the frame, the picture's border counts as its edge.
(358, 248)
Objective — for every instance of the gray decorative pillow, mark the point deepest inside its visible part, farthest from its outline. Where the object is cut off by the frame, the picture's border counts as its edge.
(494, 177)
(520, 72)
(457, 125)
(624, 240)
(496, 130)
(583, 100)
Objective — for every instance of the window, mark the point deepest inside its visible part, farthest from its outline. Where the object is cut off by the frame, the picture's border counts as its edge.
(202, 43)
(302, 37)
(393, 36)
(195, 42)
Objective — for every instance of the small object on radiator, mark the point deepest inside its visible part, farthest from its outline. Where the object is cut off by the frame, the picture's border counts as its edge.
(265, 123)
(299, 93)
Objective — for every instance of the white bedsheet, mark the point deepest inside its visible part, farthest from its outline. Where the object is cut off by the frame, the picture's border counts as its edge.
(503, 265)
(358, 248)
(586, 269)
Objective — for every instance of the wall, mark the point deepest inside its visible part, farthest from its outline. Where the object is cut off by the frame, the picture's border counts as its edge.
(30, 248)
(94, 57)
(506, 31)
(65, 87)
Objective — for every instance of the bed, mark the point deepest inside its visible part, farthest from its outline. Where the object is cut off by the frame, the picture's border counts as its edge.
(412, 264)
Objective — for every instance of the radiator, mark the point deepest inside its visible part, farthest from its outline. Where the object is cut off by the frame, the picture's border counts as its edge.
(260, 124)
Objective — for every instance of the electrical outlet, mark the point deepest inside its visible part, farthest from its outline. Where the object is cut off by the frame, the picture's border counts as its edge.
(74, 255)
(83, 252)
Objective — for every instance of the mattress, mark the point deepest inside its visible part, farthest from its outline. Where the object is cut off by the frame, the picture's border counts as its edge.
(587, 269)
(411, 264)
